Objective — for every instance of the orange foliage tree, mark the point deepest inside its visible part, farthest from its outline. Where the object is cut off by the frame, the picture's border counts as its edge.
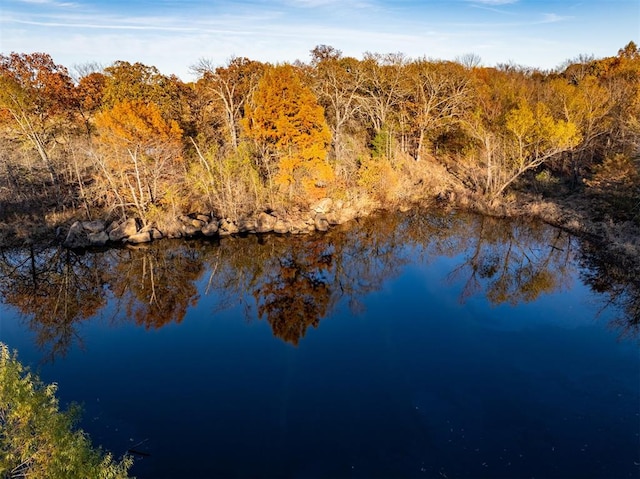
(291, 135)
(139, 153)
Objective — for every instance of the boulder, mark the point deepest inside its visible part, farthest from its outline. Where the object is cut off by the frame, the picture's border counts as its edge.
(211, 228)
(299, 226)
(265, 223)
(247, 225)
(98, 239)
(228, 227)
(143, 237)
(192, 222)
(281, 226)
(320, 222)
(174, 234)
(172, 228)
(123, 230)
(323, 206)
(190, 230)
(333, 218)
(338, 217)
(113, 225)
(93, 226)
(154, 233)
(76, 237)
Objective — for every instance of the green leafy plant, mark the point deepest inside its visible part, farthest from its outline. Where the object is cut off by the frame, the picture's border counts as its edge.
(37, 440)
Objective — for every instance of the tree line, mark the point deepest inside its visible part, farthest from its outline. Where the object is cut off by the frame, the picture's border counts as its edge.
(126, 140)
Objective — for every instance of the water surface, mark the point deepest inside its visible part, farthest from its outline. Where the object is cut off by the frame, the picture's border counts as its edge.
(414, 345)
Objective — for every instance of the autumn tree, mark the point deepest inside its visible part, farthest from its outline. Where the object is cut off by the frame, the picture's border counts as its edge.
(381, 95)
(229, 88)
(532, 137)
(515, 130)
(135, 82)
(138, 154)
(438, 93)
(291, 136)
(36, 106)
(588, 105)
(89, 93)
(337, 83)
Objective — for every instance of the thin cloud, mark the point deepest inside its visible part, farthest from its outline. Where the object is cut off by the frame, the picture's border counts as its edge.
(493, 3)
(104, 26)
(48, 3)
(553, 18)
(358, 4)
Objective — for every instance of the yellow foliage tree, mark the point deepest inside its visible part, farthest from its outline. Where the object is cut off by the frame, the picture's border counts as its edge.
(288, 127)
(533, 137)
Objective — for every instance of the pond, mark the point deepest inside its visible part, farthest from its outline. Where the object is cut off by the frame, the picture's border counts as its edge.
(405, 345)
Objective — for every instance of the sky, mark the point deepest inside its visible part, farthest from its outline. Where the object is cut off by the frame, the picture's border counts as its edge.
(173, 35)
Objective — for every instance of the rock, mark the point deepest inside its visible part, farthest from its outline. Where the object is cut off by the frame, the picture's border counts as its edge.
(227, 228)
(323, 206)
(347, 214)
(211, 228)
(76, 237)
(204, 218)
(93, 226)
(298, 226)
(143, 237)
(174, 234)
(153, 232)
(265, 223)
(156, 234)
(281, 226)
(333, 218)
(113, 225)
(192, 222)
(98, 239)
(172, 228)
(123, 230)
(338, 217)
(190, 230)
(247, 225)
(321, 223)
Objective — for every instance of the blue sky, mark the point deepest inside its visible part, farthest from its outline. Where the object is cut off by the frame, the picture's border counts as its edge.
(174, 34)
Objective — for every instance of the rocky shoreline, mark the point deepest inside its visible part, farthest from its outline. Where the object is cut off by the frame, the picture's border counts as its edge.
(573, 214)
(320, 217)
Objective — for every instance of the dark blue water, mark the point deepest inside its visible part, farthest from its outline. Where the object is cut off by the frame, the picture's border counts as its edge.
(405, 346)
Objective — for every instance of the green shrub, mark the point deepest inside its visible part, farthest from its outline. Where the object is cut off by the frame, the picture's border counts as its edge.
(37, 440)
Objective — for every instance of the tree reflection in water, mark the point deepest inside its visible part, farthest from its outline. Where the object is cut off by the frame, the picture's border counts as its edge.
(619, 282)
(295, 282)
(53, 289)
(515, 264)
(155, 285)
